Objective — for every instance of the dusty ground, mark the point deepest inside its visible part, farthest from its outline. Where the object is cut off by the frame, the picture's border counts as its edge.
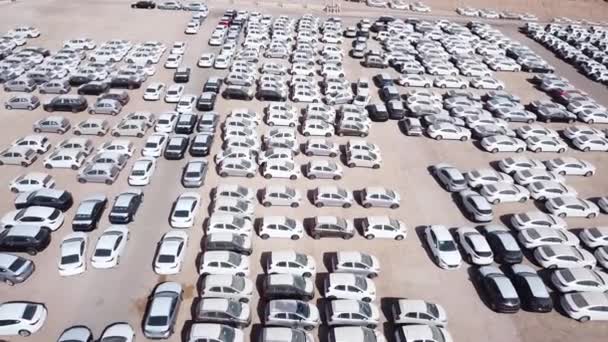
(100, 297)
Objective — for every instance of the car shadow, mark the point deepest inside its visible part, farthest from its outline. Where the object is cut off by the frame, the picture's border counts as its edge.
(185, 332)
(472, 277)
(359, 223)
(421, 237)
(264, 258)
(259, 284)
(320, 283)
(256, 332)
(328, 257)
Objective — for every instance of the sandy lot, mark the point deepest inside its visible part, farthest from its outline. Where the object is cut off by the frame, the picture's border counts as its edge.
(100, 297)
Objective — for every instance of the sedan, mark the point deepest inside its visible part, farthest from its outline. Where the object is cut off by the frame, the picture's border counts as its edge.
(567, 206)
(163, 307)
(443, 247)
(448, 131)
(142, 171)
(546, 144)
(570, 166)
(110, 247)
(502, 143)
(72, 258)
(579, 280)
(583, 306)
(475, 246)
(588, 143)
(504, 192)
(499, 290)
(22, 318)
(44, 217)
(535, 237)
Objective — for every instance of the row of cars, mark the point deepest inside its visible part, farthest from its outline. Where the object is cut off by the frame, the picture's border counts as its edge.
(417, 6)
(493, 14)
(584, 47)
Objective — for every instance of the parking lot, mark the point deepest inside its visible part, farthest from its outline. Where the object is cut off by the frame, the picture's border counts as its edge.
(98, 297)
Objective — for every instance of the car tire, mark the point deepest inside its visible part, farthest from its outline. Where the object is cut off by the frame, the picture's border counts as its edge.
(74, 167)
(367, 300)
(24, 333)
(463, 138)
(140, 135)
(538, 149)
(561, 150)
(264, 236)
(295, 237)
(31, 251)
(394, 206)
(116, 134)
(316, 236)
(346, 205)
(294, 205)
(584, 319)
(439, 137)
(337, 177)
(319, 205)
(592, 215)
(561, 215)
(266, 204)
(399, 237)
(587, 149)
(591, 121)
(223, 174)
(306, 134)
(108, 182)
(463, 87)
(293, 177)
(37, 130)
(369, 236)
(351, 165)
(587, 174)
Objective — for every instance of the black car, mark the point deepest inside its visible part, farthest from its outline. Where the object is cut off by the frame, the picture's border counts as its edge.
(29, 239)
(89, 213)
(388, 93)
(483, 131)
(555, 115)
(181, 75)
(93, 88)
(377, 112)
(144, 4)
(363, 33)
(185, 123)
(532, 291)
(505, 247)
(206, 101)
(270, 95)
(201, 145)
(125, 206)
(226, 242)
(331, 229)
(498, 289)
(78, 80)
(125, 83)
(213, 84)
(383, 80)
(396, 110)
(381, 23)
(66, 103)
(119, 95)
(58, 199)
(287, 286)
(176, 147)
(238, 93)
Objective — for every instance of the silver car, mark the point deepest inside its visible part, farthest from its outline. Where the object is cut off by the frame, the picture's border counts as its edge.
(55, 87)
(237, 167)
(99, 173)
(332, 196)
(52, 124)
(22, 101)
(323, 169)
(18, 155)
(194, 173)
(20, 84)
(106, 106)
(15, 269)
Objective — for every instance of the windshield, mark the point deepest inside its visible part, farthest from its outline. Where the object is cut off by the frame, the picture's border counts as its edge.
(365, 309)
(157, 320)
(447, 246)
(17, 264)
(366, 259)
(120, 209)
(227, 334)
(234, 309)
(302, 309)
(234, 258)
(70, 259)
(166, 259)
(361, 283)
(181, 213)
(103, 252)
(138, 173)
(432, 309)
(290, 222)
(192, 174)
(238, 283)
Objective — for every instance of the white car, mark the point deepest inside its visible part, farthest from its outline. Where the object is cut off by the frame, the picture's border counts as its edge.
(536, 219)
(487, 83)
(226, 205)
(583, 306)
(281, 227)
(227, 223)
(535, 130)
(173, 61)
(154, 91)
(569, 166)
(121, 146)
(185, 209)
(155, 145)
(166, 123)
(594, 237)
(502, 143)
(543, 190)
(413, 80)
(512, 164)
(31, 182)
(423, 332)
(349, 286)
(588, 143)
(448, 131)
(546, 144)
(281, 195)
(567, 206)
(92, 126)
(535, 237)
(281, 169)
(44, 217)
(563, 256)
(475, 246)
(110, 247)
(601, 254)
(142, 171)
(234, 191)
(224, 262)
(504, 192)
(22, 318)
(72, 258)
(579, 280)
(206, 60)
(186, 104)
(317, 128)
(384, 227)
(363, 158)
(443, 247)
(290, 262)
(451, 82)
(171, 252)
(72, 159)
(174, 93)
(480, 177)
(529, 176)
(417, 311)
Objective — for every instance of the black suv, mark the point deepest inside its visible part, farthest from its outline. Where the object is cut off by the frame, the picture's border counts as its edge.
(93, 88)
(58, 199)
(201, 145)
(270, 95)
(206, 102)
(144, 4)
(89, 213)
(238, 93)
(185, 123)
(78, 80)
(176, 147)
(288, 286)
(377, 112)
(125, 82)
(213, 85)
(66, 103)
(29, 239)
(181, 75)
(226, 242)
(125, 206)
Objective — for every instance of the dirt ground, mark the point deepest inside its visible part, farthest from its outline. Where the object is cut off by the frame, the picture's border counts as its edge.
(100, 297)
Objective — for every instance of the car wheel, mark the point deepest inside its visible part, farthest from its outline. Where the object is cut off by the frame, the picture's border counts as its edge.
(293, 177)
(464, 138)
(442, 86)
(337, 177)
(561, 150)
(264, 236)
(30, 107)
(367, 205)
(116, 134)
(9, 107)
(584, 319)
(294, 205)
(24, 164)
(139, 135)
(223, 174)
(37, 130)
(306, 134)
(463, 87)
(538, 149)
(9, 282)
(346, 205)
(295, 237)
(399, 237)
(31, 251)
(24, 333)
(77, 133)
(367, 300)
(586, 149)
(351, 165)
(74, 167)
(394, 206)
(439, 137)
(587, 174)
(562, 215)
(108, 182)
(319, 205)
(592, 215)
(590, 121)
(267, 204)
(316, 236)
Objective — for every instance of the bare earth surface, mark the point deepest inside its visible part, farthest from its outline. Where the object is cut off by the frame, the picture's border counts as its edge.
(100, 297)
